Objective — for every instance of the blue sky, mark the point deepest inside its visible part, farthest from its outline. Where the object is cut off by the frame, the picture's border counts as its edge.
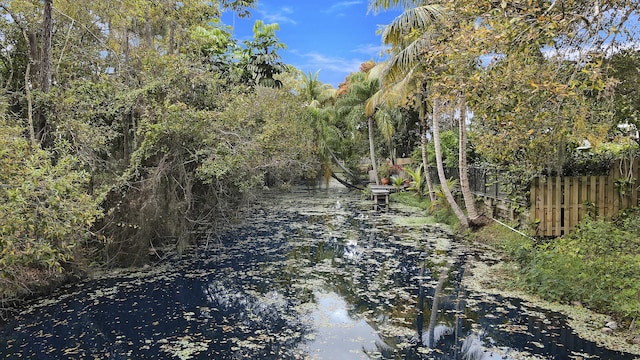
(334, 37)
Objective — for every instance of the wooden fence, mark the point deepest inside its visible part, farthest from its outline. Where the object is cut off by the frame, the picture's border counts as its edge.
(490, 187)
(482, 181)
(559, 203)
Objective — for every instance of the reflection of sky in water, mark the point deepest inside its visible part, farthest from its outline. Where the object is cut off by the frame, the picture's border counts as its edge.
(256, 294)
(338, 335)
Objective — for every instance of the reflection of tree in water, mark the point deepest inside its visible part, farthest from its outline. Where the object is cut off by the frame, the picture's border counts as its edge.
(247, 296)
(373, 268)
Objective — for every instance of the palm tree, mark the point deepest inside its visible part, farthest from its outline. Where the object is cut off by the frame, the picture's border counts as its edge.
(402, 76)
(464, 221)
(411, 35)
(422, 104)
(353, 104)
(469, 200)
(315, 92)
(319, 97)
(386, 119)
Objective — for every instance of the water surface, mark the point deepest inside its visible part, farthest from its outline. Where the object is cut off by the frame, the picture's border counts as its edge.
(308, 275)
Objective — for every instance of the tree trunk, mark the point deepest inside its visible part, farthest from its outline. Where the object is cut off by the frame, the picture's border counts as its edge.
(34, 78)
(443, 180)
(372, 150)
(125, 138)
(31, 58)
(45, 64)
(33, 54)
(341, 166)
(45, 58)
(469, 200)
(423, 141)
(125, 117)
(125, 71)
(27, 91)
(345, 183)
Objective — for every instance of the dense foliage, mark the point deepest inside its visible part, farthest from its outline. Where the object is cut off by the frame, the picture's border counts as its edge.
(132, 127)
(596, 266)
(45, 211)
(153, 123)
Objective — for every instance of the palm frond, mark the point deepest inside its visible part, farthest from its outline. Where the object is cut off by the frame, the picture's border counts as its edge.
(409, 56)
(375, 101)
(412, 23)
(376, 6)
(385, 120)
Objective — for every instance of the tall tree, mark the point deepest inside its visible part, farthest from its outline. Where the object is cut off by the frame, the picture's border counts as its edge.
(352, 105)
(469, 199)
(410, 37)
(45, 58)
(320, 99)
(625, 68)
(45, 64)
(435, 116)
(539, 67)
(402, 76)
(261, 55)
(21, 21)
(315, 92)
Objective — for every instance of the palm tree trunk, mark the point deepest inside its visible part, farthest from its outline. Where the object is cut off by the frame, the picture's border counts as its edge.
(469, 200)
(433, 317)
(372, 150)
(342, 167)
(464, 222)
(423, 141)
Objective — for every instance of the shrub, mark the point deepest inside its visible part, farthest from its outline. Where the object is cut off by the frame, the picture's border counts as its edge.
(45, 211)
(597, 265)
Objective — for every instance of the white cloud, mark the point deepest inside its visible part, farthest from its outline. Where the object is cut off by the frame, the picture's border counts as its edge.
(374, 51)
(334, 69)
(314, 61)
(280, 16)
(338, 7)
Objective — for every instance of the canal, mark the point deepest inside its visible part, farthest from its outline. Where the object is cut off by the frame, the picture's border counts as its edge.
(305, 275)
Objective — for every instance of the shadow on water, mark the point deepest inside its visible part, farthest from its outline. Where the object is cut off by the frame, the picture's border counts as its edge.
(308, 276)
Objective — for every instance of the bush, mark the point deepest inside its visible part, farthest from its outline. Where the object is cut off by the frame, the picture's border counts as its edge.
(597, 265)
(45, 211)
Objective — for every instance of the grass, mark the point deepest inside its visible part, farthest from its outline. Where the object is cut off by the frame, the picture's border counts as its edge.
(410, 198)
(597, 266)
(439, 212)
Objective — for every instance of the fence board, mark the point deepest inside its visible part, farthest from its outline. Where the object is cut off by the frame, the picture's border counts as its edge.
(584, 200)
(558, 204)
(574, 202)
(549, 208)
(601, 202)
(534, 214)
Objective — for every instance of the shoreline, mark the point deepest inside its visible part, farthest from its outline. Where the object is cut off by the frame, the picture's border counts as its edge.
(493, 279)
